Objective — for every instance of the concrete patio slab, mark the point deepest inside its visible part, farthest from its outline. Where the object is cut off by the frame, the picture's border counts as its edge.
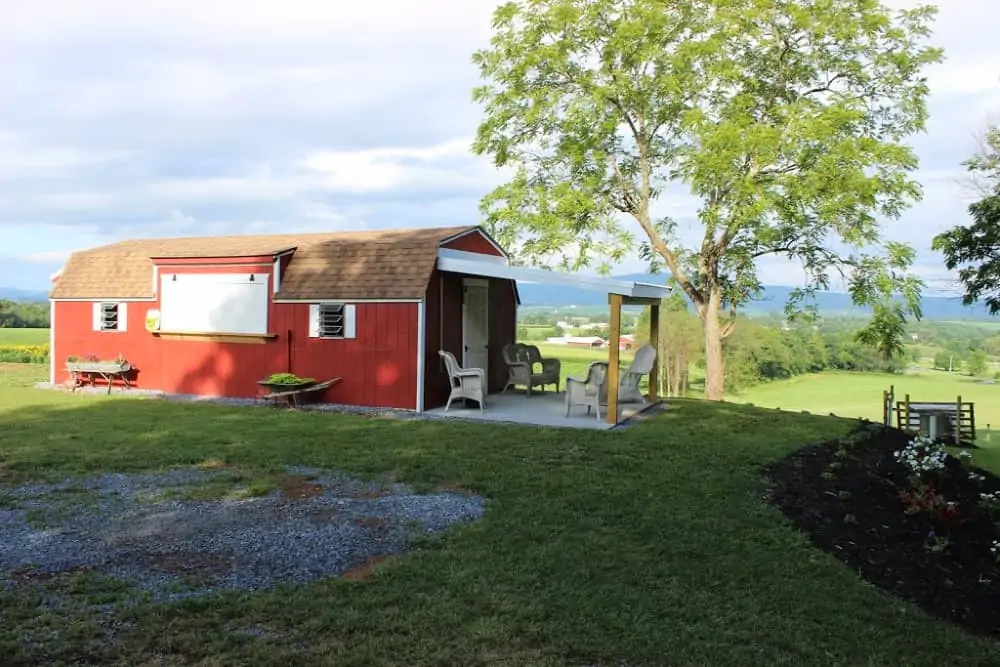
(540, 409)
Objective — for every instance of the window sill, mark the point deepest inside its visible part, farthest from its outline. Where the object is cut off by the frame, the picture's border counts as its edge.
(215, 337)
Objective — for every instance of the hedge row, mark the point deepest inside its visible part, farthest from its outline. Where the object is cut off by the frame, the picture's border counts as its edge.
(24, 354)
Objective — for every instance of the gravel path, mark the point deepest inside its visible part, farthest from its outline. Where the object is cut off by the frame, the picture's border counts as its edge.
(143, 530)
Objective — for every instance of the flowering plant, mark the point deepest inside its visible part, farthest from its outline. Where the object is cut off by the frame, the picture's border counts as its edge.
(990, 501)
(922, 455)
(926, 498)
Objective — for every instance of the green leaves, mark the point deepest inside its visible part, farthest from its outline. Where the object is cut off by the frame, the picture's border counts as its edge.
(788, 119)
(976, 249)
(886, 330)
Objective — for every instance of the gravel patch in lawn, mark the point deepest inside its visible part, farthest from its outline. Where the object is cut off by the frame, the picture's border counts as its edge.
(144, 529)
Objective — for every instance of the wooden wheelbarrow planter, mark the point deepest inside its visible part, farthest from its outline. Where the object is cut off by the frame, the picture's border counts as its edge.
(293, 394)
(85, 372)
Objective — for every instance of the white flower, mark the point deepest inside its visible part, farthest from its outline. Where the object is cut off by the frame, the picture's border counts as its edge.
(991, 500)
(923, 455)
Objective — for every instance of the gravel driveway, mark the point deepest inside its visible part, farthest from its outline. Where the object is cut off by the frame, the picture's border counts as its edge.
(149, 531)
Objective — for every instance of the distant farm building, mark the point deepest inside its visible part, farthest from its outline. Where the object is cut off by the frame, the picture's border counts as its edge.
(578, 341)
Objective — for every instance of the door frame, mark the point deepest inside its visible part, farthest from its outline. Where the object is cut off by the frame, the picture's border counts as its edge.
(485, 284)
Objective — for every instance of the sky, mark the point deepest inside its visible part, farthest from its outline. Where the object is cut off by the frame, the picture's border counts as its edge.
(123, 119)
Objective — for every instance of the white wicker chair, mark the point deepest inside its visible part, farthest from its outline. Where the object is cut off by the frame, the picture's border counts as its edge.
(628, 384)
(587, 391)
(465, 382)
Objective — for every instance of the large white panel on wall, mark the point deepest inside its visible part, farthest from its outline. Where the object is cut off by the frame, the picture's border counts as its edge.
(214, 303)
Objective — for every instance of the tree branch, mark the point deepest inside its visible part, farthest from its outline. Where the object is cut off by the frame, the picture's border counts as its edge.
(828, 87)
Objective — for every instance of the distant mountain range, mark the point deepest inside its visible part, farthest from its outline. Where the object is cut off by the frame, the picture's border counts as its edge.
(772, 300)
(14, 294)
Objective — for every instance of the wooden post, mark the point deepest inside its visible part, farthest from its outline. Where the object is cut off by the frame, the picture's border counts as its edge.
(885, 407)
(654, 341)
(892, 400)
(906, 414)
(615, 301)
(958, 422)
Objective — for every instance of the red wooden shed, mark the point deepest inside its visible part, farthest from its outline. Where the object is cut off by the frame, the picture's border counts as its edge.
(211, 316)
(372, 308)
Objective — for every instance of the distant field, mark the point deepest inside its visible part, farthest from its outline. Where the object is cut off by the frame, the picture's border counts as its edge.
(576, 359)
(860, 394)
(24, 336)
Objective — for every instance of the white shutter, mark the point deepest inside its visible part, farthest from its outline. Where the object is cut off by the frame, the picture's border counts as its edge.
(123, 316)
(97, 316)
(349, 328)
(314, 320)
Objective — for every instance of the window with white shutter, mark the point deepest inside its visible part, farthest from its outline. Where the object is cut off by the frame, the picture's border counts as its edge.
(332, 320)
(110, 316)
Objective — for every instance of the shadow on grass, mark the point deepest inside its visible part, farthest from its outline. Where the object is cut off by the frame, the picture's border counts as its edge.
(652, 545)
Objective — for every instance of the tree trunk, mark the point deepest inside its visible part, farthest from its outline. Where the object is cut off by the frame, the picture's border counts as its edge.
(715, 376)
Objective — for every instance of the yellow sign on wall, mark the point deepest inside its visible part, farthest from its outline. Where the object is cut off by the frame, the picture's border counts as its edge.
(152, 320)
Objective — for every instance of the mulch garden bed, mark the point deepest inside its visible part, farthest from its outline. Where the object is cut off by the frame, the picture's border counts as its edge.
(926, 536)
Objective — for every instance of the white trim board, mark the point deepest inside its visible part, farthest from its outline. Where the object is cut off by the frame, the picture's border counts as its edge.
(421, 352)
(52, 342)
(109, 299)
(474, 256)
(470, 263)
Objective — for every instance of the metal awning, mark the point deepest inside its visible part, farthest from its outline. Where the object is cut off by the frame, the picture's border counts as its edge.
(489, 266)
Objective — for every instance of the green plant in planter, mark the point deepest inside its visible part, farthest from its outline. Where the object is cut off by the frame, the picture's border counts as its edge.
(288, 378)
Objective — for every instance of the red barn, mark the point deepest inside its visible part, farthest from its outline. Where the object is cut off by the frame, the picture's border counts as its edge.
(212, 316)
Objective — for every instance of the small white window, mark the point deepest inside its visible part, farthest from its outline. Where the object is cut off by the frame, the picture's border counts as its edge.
(110, 316)
(331, 320)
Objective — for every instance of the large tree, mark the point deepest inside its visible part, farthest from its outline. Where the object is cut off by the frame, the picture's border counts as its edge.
(974, 249)
(786, 119)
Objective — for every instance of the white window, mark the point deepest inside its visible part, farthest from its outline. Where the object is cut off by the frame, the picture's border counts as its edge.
(331, 320)
(220, 303)
(110, 316)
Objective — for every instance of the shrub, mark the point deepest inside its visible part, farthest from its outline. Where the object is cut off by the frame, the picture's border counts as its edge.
(24, 354)
(288, 378)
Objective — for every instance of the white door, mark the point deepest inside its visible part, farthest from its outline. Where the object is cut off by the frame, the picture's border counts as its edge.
(475, 325)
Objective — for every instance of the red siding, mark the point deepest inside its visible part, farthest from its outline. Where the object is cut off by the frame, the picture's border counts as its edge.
(444, 331)
(378, 367)
(473, 242)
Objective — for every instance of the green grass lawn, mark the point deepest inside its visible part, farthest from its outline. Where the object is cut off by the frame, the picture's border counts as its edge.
(23, 336)
(649, 546)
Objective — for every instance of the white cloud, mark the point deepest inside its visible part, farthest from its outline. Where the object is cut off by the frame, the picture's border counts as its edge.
(121, 119)
(450, 164)
(19, 156)
(47, 257)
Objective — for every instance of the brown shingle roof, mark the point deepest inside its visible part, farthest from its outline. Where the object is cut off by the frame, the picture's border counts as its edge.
(384, 264)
